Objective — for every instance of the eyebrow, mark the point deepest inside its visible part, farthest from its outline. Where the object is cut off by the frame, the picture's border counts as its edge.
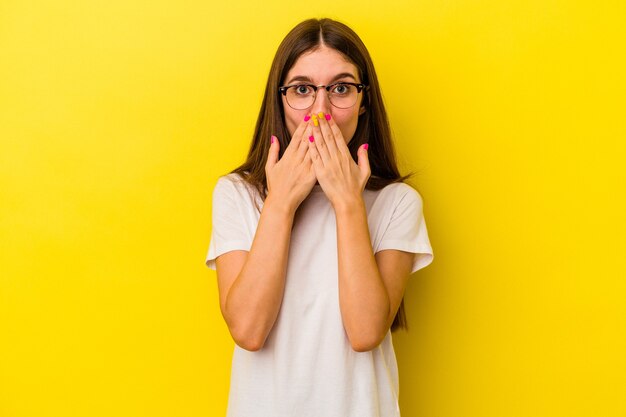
(305, 78)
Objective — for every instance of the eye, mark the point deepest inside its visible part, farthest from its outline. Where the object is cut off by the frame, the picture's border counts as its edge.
(303, 89)
(341, 89)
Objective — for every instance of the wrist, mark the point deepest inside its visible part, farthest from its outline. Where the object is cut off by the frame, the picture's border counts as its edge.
(349, 205)
(281, 205)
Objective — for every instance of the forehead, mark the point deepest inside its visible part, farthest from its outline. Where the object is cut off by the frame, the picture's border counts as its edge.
(322, 65)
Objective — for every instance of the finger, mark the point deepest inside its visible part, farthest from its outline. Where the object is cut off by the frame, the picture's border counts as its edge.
(297, 134)
(363, 161)
(320, 144)
(303, 147)
(308, 165)
(326, 133)
(272, 157)
(308, 160)
(340, 141)
(315, 156)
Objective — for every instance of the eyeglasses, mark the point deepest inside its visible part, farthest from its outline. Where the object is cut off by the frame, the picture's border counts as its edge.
(302, 96)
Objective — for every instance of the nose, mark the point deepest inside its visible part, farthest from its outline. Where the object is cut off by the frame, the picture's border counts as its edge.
(321, 103)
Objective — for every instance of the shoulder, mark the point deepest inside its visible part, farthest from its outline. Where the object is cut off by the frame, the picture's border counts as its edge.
(229, 182)
(233, 181)
(234, 187)
(401, 193)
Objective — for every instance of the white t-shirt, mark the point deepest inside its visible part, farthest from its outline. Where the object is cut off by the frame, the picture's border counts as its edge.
(307, 367)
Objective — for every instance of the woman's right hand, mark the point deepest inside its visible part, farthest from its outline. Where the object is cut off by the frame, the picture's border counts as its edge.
(291, 179)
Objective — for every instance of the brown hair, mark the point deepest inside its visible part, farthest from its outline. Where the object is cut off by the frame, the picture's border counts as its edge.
(372, 128)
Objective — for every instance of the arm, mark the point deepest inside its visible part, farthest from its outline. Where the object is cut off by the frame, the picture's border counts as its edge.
(251, 284)
(370, 287)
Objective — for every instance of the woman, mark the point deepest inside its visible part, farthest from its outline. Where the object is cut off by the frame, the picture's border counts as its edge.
(314, 238)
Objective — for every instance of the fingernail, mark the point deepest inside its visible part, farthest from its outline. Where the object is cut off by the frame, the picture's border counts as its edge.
(273, 138)
(311, 138)
(365, 146)
(307, 118)
(315, 122)
(327, 116)
(320, 114)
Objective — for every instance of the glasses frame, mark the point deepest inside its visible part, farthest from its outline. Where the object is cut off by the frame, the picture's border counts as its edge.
(359, 87)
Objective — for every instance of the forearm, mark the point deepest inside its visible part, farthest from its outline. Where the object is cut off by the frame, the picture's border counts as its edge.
(255, 297)
(363, 298)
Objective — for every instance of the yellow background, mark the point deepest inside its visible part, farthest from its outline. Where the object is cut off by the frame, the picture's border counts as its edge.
(117, 117)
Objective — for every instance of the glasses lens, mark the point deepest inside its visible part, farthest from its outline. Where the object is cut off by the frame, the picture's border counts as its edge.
(343, 95)
(300, 97)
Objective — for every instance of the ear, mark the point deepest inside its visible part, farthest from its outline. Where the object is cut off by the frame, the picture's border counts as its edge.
(362, 110)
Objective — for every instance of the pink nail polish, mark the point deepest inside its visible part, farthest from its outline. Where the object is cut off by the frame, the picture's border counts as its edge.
(273, 139)
(307, 118)
(365, 146)
(327, 116)
(311, 138)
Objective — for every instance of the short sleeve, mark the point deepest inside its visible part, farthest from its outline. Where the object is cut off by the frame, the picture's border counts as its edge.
(232, 219)
(407, 230)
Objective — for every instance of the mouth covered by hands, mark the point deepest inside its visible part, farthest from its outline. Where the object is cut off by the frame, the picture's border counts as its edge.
(317, 151)
(341, 179)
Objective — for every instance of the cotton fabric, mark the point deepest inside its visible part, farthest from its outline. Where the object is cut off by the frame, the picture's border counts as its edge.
(307, 367)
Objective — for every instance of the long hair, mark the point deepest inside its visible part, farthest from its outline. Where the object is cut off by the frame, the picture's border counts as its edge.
(373, 124)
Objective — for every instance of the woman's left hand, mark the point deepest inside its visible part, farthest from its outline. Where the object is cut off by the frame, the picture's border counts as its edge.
(341, 179)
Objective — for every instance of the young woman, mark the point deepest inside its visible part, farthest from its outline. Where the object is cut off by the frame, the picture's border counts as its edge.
(314, 238)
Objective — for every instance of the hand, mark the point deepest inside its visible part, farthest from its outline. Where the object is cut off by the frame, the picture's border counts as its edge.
(291, 179)
(341, 179)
